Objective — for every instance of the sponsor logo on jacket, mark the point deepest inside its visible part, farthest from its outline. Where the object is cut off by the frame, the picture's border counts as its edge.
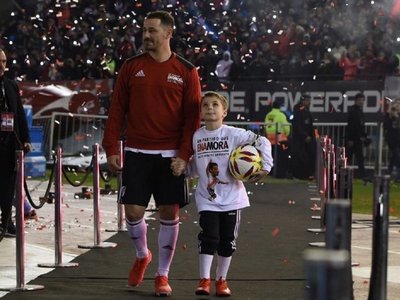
(173, 78)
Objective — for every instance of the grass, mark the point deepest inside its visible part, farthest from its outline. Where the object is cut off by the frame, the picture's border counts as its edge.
(363, 198)
(362, 193)
(362, 201)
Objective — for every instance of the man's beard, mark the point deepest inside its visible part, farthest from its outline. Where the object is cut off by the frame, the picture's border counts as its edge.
(148, 45)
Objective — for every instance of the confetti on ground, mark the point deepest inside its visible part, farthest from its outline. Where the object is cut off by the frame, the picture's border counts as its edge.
(275, 231)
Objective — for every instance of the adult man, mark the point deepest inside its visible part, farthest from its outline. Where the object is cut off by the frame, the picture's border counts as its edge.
(303, 141)
(158, 94)
(356, 136)
(277, 130)
(14, 135)
(391, 126)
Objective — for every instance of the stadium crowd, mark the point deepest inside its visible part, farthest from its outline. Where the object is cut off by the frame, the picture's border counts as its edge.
(307, 40)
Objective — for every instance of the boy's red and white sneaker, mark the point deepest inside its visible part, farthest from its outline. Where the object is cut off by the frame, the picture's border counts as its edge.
(222, 289)
(204, 287)
(136, 274)
(161, 286)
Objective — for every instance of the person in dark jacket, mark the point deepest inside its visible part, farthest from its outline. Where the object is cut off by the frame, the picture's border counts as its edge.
(391, 126)
(14, 135)
(303, 140)
(356, 136)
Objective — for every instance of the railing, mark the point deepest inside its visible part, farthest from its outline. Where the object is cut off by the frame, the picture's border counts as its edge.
(77, 132)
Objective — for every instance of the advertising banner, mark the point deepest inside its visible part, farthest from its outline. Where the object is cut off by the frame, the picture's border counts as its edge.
(248, 100)
(81, 97)
(251, 101)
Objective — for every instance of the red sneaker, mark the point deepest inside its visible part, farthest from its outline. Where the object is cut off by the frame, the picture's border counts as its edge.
(161, 287)
(136, 274)
(222, 289)
(204, 287)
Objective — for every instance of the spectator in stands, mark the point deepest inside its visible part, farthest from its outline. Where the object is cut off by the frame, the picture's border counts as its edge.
(233, 25)
(329, 68)
(350, 64)
(303, 140)
(356, 136)
(308, 66)
(223, 68)
(380, 65)
(108, 65)
(237, 68)
(338, 50)
(366, 65)
(14, 135)
(391, 127)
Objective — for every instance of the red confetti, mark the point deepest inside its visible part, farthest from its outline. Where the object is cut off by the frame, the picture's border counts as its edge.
(275, 231)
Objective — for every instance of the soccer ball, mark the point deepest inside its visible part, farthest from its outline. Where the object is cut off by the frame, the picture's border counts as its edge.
(244, 161)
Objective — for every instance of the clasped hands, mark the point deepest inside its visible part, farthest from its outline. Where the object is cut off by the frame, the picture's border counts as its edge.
(178, 166)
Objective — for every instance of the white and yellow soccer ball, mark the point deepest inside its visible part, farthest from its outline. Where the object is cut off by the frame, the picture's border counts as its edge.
(244, 161)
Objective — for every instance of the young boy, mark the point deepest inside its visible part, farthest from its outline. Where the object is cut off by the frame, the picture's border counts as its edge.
(220, 205)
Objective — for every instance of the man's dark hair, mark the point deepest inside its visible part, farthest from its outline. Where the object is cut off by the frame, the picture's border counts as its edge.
(164, 16)
(305, 96)
(359, 95)
(277, 104)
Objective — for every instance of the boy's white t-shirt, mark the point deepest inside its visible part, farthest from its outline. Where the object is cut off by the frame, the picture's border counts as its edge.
(222, 192)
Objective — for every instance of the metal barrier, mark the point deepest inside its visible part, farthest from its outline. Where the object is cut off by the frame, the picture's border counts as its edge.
(323, 177)
(58, 219)
(75, 132)
(20, 236)
(334, 180)
(378, 281)
(96, 206)
(376, 158)
(338, 225)
(121, 225)
(327, 276)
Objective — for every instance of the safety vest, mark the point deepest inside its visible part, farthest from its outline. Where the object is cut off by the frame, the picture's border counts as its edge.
(277, 128)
